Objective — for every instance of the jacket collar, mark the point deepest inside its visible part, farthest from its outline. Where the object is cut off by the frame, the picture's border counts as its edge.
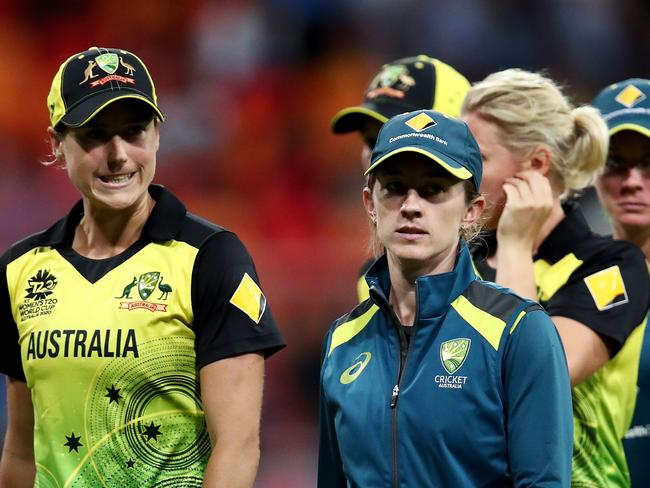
(563, 238)
(163, 223)
(434, 292)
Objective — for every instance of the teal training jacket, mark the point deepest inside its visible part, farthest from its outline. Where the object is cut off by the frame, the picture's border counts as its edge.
(478, 397)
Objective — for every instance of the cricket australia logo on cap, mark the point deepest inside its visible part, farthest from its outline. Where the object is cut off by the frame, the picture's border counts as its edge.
(420, 122)
(392, 81)
(453, 354)
(630, 96)
(110, 63)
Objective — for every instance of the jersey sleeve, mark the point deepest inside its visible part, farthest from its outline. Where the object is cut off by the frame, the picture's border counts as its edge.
(330, 465)
(610, 294)
(231, 316)
(539, 416)
(10, 361)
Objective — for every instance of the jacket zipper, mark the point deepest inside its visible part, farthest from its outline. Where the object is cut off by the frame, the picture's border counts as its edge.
(404, 350)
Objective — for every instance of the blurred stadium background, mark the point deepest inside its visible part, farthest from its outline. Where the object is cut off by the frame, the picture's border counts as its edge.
(249, 87)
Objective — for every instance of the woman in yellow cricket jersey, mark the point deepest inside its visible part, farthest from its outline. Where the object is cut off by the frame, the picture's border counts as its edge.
(132, 332)
(624, 190)
(536, 149)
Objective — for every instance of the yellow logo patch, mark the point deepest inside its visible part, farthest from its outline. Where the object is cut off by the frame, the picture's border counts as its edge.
(420, 122)
(607, 288)
(630, 96)
(249, 298)
(353, 372)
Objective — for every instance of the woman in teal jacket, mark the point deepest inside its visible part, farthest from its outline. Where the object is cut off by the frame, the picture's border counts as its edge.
(439, 379)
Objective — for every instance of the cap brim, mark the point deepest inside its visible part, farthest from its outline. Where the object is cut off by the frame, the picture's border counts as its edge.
(352, 119)
(643, 129)
(448, 164)
(85, 111)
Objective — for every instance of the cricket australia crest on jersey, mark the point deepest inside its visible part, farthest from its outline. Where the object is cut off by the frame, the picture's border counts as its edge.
(453, 354)
(146, 285)
(39, 297)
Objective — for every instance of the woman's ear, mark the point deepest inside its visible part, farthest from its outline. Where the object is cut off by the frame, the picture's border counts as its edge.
(157, 126)
(540, 160)
(474, 211)
(55, 144)
(369, 205)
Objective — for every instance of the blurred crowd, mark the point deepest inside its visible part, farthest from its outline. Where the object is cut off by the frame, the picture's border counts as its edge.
(248, 88)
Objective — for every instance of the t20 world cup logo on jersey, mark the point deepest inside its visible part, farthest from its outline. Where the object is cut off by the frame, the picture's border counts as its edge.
(146, 285)
(37, 299)
(41, 285)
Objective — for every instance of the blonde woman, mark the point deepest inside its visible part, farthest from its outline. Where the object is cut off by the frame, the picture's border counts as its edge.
(438, 378)
(537, 148)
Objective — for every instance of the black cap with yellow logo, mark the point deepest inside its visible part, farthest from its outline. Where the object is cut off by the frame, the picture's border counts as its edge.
(404, 85)
(88, 81)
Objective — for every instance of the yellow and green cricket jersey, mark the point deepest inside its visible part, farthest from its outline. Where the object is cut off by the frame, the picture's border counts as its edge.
(111, 348)
(604, 285)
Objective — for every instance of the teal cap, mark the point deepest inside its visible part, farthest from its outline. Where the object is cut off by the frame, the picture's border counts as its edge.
(626, 106)
(445, 140)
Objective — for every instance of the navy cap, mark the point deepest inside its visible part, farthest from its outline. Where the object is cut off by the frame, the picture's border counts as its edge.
(443, 139)
(88, 81)
(626, 106)
(403, 85)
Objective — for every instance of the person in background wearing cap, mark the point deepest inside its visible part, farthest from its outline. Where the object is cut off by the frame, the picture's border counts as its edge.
(439, 378)
(133, 333)
(624, 190)
(403, 85)
(536, 149)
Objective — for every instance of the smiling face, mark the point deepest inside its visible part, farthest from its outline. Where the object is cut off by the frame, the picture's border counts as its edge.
(499, 164)
(418, 208)
(624, 186)
(112, 159)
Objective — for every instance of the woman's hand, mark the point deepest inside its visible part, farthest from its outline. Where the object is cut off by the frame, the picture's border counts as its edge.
(529, 200)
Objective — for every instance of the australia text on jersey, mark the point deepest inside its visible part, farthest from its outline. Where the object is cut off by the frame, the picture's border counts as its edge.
(80, 343)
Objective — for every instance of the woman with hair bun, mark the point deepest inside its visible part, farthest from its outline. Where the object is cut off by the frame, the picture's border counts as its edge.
(537, 150)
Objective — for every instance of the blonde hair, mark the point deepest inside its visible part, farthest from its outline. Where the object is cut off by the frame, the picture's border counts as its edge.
(530, 110)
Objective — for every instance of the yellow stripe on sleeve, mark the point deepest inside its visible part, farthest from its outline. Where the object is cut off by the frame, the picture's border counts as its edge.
(519, 317)
(489, 326)
(348, 330)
